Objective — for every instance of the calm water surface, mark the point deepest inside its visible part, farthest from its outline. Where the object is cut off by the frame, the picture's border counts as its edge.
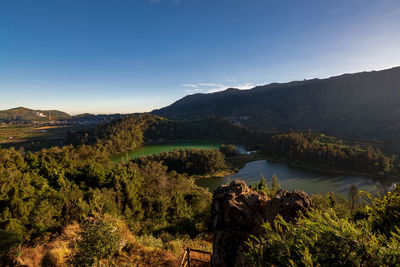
(295, 178)
(158, 148)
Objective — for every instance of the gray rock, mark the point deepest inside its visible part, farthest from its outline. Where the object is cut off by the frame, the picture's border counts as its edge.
(238, 211)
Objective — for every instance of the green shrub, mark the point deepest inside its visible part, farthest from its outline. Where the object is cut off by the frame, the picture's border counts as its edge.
(10, 240)
(151, 241)
(100, 240)
(385, 212)
(322, 239)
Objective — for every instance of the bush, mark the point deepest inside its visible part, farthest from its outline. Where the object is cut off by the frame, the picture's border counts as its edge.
(322, 239)
(385, 212)
(10, 240)
(100, 240)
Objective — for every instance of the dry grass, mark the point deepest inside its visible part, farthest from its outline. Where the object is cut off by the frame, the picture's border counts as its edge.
(139, 255)
(53, 253)
(30, 256)
(60, 250)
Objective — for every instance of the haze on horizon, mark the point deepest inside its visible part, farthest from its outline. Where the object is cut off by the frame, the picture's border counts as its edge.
(131, 56)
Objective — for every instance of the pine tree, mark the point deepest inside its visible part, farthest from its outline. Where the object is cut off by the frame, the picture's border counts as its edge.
(262, 184)
(353, 192)
(275, 184)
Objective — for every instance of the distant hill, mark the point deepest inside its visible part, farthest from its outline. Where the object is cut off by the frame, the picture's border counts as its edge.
(22, 114)
(364, 104)
(96, 119)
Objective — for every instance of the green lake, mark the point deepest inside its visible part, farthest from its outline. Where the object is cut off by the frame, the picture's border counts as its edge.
(165, 147)
(292, 178)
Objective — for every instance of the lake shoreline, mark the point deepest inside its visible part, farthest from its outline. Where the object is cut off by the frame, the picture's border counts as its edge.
(237, 162)
(326, 171)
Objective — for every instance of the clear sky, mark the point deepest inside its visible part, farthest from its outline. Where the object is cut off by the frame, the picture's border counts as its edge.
(106, 56)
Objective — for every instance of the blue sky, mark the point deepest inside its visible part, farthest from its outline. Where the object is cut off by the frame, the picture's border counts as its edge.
(106, 56)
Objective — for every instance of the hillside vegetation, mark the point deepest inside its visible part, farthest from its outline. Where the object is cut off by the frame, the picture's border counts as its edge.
(333, 233)
(133, 131)
(362, 105)
(22, 114)
(45, 192)
(73, 206)
(328, 153)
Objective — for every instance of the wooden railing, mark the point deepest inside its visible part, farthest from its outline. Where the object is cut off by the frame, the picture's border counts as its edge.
(188, 258)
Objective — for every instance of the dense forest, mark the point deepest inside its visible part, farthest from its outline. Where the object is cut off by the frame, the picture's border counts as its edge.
(117, 136)
(45, 192)
(309, 149)
(189, 161)
(330, 154)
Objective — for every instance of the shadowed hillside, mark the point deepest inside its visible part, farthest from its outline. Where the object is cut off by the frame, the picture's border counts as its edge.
(362, 104)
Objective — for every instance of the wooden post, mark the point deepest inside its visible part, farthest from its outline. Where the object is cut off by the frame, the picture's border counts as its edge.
(188, 256)
(183, 259)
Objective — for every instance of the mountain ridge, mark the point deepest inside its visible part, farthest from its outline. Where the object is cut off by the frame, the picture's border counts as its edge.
(361, 104)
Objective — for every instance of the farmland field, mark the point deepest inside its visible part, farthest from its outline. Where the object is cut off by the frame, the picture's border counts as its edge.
(35, 137)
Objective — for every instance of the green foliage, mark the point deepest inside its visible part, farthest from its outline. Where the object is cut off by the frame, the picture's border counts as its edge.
(385, 212)
(117, 136)
(322, 239)
(99, 240)
(353, 194)
(42, 192)
(337, 203)
(262, 184)
(329, 153)
(275, 186)
(130, 132)
(190, 161)
(10, 239)
(228, 150)
(330, 235)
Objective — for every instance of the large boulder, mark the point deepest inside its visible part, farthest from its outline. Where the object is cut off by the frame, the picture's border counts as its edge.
(238, 211)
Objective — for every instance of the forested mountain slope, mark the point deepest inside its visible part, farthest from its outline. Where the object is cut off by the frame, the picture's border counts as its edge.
(363, 104)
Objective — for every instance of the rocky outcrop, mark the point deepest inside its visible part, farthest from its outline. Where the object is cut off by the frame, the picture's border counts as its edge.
(238, 211)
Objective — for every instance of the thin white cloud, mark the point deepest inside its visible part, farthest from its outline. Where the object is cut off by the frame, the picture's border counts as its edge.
(214, 87)
(193, 91)
(245, 86)
(211, 84)
(189, 85)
